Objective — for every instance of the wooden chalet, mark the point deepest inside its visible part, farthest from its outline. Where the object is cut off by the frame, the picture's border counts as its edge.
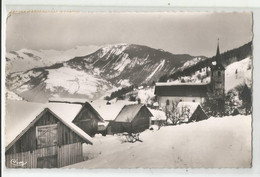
(186, 112)
(50, 140)
(132, 119)
(88, 119)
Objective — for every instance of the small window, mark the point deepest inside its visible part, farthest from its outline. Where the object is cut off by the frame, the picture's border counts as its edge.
(46, 135)
(193, 100)
(167, 102)
(219, 73)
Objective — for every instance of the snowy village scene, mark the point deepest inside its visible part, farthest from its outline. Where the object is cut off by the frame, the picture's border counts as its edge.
(128, 90)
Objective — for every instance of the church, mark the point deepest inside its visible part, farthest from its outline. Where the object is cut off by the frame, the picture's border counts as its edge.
(170, 94)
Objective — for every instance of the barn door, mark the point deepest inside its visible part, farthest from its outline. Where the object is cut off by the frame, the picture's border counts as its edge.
(47, 162)
(46, 135)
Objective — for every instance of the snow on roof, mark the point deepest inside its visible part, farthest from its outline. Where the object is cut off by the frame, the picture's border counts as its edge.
(128, 113)
(174, 83)
(157, 114)
(59, 99)
(19, 114)
(192, 106)
(109, 111)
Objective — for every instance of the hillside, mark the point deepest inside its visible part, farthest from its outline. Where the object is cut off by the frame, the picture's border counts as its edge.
(25, 59)
(237, 73)
(228, 57)
(216, 142)
(93, 75)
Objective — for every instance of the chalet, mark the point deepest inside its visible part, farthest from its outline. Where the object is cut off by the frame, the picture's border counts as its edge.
(187, 112)
(132, 119)
(45, 140)
(169, 94)
(159, 117)
(88, 119)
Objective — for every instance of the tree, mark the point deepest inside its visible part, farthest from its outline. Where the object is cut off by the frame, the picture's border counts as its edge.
(163, 78)
(246, 97)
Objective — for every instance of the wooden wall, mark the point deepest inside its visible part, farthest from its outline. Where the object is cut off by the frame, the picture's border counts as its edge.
(67, 155)
(141, 121)
(87, 121)
(28, 141)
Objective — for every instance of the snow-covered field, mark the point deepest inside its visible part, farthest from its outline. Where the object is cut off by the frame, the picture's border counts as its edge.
(216, 142)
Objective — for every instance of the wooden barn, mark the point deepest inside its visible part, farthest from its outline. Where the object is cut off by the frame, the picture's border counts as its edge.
(48, 141)
(132, 119)
(188, 112)
(88, 119)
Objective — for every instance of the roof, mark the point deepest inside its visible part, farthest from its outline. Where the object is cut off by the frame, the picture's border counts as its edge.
(218, 66)
(192, 106)
(157, 114)
(21, 115)
(128, 113)
(187, 89)
(89, 107)
(109, 111)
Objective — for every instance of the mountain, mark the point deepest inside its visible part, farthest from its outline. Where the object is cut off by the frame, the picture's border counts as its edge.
(93, 75)
(227, 58)
(25, 59)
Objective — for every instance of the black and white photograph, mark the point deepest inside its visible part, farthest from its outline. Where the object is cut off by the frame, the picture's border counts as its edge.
(116, 90)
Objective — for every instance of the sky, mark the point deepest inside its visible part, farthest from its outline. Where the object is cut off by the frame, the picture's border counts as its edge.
(193, 33)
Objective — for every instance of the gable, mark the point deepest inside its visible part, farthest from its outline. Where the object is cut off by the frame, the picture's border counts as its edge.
(143, 112)
(87, 113)
(26, 140)
(128, 113)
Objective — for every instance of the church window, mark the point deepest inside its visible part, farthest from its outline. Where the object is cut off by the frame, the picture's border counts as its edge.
(219, 73)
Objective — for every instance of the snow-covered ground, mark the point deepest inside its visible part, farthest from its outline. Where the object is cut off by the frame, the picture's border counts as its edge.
(237, 73)
(215, 142)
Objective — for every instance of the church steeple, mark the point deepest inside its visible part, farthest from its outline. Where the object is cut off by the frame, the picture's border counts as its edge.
(218, 60)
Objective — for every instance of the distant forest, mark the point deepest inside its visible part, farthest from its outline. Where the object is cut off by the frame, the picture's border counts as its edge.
(227, 58)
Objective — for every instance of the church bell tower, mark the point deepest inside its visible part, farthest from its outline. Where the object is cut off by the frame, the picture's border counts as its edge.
(218, 78)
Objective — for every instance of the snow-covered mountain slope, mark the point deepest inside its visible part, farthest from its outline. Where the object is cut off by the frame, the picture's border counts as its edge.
(93, 75)
(211, 143)
(26, 59)
(236, 73)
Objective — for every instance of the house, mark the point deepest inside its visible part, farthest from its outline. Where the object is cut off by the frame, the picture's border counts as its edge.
(42, 135)
(159, 117)
(132, 119)
(170, 94)
(88, 119)
(186, 112)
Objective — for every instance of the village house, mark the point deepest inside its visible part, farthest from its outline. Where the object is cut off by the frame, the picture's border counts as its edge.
(159, 117)
(132, 119)
(187, 112)
(88, 119)
(43, 139)
(170, 94)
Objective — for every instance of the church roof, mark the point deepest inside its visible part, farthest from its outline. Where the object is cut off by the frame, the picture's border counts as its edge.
(188, 89)
(218, 65)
